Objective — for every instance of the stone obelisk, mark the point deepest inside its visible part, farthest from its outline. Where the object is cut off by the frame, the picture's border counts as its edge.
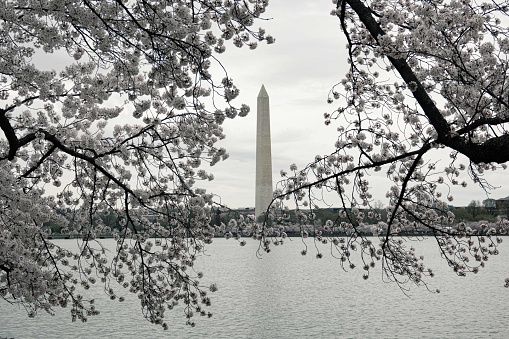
(263, 154)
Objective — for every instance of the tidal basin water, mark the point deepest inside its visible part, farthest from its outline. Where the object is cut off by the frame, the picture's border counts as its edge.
(286, 295)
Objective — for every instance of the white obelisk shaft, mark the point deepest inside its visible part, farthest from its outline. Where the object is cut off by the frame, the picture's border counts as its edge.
(263, 155)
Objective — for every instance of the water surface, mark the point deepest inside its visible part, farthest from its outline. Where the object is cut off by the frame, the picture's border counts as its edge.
(286, 295)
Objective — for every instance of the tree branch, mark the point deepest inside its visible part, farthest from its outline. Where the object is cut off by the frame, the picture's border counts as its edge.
(489, 151)
(9, 133)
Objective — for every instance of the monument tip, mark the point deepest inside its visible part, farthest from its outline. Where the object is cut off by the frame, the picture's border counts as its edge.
(263, 93)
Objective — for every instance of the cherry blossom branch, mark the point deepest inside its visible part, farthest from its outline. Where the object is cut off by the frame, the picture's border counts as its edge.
(426, 147)
(9, 133)
(40, 162)
(486, 152)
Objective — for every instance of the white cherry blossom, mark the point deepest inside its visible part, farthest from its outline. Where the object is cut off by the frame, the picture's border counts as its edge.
(122, 130)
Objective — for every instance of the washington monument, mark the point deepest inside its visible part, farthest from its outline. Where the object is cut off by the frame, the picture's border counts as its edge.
(263, 155)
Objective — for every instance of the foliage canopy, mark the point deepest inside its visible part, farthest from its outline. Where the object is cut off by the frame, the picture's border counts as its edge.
(122, 127)
(425, 78)
(127, 122)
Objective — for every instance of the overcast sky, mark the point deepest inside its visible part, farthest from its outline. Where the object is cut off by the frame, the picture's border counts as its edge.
(308, 58)
(298, 71)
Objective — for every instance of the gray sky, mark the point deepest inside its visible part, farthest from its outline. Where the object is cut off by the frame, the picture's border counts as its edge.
(308, 58)
(293, 72)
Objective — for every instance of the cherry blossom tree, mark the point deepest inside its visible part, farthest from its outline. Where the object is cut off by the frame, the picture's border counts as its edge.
(426, 78)
(122, 122)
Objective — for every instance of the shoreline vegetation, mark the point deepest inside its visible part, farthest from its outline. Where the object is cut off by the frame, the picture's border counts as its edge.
(325, 222)
(294, 231)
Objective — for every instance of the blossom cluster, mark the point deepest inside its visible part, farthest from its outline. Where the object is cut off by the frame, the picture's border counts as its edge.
(425, 78)
(122, 128)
